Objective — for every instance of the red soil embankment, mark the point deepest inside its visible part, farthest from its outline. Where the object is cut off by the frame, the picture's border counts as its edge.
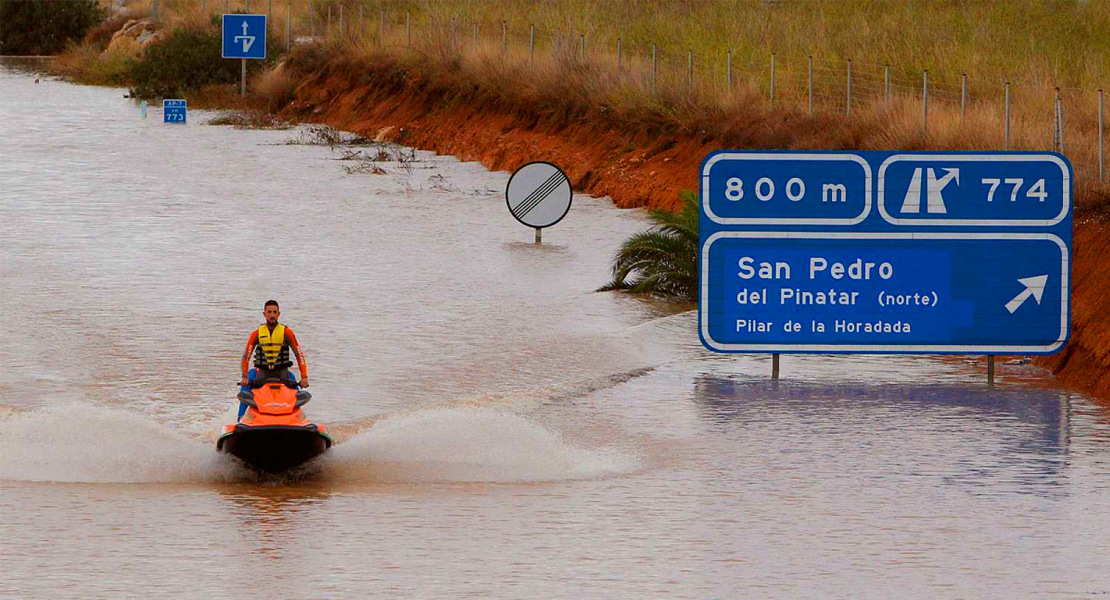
(1085, 363)
(637, 165)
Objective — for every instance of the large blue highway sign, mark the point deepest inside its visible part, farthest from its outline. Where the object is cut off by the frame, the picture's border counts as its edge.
(885, 252)
(244, 36)
(174, 111)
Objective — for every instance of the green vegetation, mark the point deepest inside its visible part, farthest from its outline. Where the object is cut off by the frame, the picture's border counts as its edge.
(1027, 42)
(29, 27)
(662, 260)
(187, 59)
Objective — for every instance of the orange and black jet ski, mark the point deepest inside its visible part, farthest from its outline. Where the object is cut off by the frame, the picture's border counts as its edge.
(274, 435)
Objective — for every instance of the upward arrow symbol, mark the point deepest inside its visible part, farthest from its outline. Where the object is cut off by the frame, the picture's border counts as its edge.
(245, 31)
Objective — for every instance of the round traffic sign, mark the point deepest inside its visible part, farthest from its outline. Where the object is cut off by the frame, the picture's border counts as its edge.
(538, 194)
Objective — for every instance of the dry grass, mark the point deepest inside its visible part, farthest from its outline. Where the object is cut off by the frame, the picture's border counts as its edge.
(562, 86)
(250, 119)
(456, 51)
(276, 86)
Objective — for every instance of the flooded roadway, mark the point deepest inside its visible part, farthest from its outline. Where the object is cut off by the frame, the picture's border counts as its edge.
(504, 431)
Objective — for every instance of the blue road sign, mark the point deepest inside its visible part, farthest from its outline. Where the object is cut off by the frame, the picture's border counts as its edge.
(885, 252)
(244, 36)
(174, 111)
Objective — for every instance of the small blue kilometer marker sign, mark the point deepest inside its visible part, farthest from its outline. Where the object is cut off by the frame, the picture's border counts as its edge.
(174, 111)
(244, 36)
(885, 252)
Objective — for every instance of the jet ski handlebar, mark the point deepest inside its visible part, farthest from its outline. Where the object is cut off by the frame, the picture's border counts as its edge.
(303, 396)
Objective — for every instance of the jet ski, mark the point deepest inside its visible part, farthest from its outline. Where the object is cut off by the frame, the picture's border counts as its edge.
(274, 435)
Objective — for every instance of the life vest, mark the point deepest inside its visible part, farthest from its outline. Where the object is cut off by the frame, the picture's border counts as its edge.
(272, 352)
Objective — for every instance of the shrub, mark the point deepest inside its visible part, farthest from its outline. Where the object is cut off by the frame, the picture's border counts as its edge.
(187, 59)
(664, 259)
(43, 26)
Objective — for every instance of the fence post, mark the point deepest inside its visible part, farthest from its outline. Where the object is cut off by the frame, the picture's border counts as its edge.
(620, 55)
(1056, 120)
(963, 96)
(1101, 156)
(504, 36)
(1060, 120)
(289, 28)
(772, 79)
(849, 110)
(690, 75)
(1006, 145)
(925, 101)
(532, 43)
(730, 71)
(809, 86)
(654, 68)
(582, 48)
(408, 28)
(886, 82)
(453, 37)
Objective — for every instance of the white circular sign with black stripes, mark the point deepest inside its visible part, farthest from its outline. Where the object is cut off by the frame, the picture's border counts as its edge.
(538, 194)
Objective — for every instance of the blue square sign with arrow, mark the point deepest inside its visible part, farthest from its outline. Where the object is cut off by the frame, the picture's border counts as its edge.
(244, 36)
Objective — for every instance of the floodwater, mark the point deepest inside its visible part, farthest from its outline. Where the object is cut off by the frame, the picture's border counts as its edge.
(503, 431)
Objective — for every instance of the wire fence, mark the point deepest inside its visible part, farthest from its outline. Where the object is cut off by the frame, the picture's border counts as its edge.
(1068, 120)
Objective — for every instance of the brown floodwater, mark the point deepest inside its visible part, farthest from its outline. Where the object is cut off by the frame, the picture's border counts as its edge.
(502, 430)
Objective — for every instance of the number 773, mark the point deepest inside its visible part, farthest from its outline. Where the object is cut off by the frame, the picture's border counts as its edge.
(1034, 191)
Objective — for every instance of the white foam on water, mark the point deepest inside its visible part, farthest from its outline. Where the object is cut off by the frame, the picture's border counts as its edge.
(470, 444)
(84, 443)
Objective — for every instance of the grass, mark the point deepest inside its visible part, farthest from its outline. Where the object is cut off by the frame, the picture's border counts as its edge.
(1035, 45)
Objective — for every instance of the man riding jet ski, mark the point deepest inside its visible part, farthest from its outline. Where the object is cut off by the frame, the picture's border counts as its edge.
(270, 344)
(272, 433)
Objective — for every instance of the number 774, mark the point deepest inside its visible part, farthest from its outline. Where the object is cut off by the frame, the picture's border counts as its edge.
(1035, 191)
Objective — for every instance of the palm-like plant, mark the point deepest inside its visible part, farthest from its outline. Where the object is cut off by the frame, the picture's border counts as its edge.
(664, 259)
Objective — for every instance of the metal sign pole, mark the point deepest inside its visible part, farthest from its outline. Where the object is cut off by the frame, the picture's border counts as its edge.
(990, 370)
(775, 366)
(243, 78)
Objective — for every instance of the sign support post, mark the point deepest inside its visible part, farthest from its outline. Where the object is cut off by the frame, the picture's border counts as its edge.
(244, 38)
(990, 370)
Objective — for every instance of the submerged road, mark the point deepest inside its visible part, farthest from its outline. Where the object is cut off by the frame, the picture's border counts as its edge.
(504, 431)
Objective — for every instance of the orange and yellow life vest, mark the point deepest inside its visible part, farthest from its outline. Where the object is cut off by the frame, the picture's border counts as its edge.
(272, 345)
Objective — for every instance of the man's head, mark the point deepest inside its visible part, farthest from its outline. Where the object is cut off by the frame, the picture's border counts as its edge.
(271, 312)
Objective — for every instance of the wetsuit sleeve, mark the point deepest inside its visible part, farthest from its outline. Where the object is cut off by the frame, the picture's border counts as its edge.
(301, 364)
(252, 341)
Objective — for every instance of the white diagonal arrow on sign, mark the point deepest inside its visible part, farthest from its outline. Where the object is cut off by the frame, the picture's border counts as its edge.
(1034, 286)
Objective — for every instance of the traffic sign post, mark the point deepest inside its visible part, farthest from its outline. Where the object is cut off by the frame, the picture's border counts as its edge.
(880, 252)
(538, 195)
(244, 37)
(174, 111)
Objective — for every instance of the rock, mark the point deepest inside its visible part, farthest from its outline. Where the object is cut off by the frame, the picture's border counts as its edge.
(135, 36)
